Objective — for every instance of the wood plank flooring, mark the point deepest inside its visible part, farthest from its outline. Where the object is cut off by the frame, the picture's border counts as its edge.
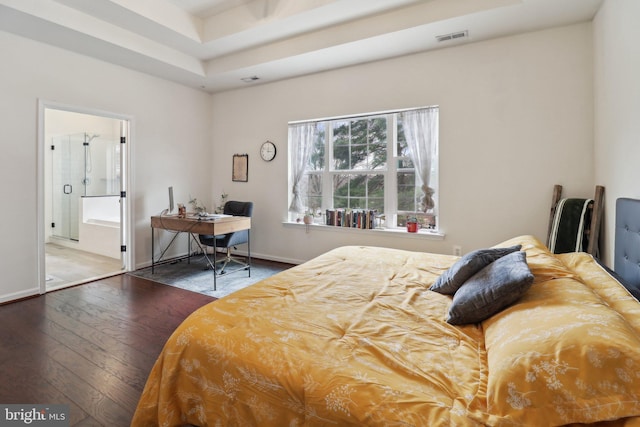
(91, 346)
(65, 266)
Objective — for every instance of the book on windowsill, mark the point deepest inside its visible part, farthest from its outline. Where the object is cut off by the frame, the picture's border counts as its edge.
(351, 218)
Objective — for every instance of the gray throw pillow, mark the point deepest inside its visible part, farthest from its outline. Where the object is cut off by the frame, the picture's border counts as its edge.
(451, 280)
(495, 287)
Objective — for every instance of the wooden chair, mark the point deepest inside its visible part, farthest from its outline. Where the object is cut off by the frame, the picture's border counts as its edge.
(593, 218)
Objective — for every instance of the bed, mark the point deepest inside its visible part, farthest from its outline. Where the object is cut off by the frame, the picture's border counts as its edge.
(356, 337)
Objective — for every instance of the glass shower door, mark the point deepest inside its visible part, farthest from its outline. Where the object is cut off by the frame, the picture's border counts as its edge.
(68, 173)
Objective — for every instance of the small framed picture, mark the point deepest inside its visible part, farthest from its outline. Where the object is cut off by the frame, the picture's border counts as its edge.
(240, 168)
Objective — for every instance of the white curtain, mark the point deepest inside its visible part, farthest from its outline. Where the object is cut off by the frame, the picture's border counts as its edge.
(421, 133)
(301, 137)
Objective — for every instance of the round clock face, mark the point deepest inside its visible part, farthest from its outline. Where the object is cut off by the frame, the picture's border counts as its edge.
(268, 151)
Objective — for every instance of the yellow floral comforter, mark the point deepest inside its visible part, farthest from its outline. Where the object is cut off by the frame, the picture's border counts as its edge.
(354, 337)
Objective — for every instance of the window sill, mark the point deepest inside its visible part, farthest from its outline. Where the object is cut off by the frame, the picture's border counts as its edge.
(395, 232)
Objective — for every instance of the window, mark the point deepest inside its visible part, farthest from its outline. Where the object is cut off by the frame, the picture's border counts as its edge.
(378, 163)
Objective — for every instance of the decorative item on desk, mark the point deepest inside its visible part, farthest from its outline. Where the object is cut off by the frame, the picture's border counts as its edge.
(197, 207)
(223, 201)
(182, 210)
(412, 225)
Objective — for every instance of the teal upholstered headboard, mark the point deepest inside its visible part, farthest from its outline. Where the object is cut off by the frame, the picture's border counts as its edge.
(627, 246)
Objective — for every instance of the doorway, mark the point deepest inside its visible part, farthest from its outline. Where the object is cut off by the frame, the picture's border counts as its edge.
(83, 205)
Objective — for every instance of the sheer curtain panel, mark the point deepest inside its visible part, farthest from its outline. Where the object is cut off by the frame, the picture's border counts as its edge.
(301, 139)
(421, 133)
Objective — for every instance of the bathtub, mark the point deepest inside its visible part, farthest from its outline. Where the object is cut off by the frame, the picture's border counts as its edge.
(104, 222)
(99, 230)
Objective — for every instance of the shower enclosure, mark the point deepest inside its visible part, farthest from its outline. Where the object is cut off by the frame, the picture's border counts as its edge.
(83, 165)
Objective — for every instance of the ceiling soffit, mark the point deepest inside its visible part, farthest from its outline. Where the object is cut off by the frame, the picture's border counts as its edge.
(225, 40)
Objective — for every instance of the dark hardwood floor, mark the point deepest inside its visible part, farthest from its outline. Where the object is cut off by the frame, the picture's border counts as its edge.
(90, 347)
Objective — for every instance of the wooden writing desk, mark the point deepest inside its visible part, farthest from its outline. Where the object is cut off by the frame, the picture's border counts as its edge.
(195, 225)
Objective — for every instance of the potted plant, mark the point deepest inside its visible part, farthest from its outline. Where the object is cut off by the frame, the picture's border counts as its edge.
(308, 217)
(412, 224)
(197, 207)
(223, 200)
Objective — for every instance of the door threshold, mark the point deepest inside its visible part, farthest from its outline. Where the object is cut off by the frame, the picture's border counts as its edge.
(51, 288)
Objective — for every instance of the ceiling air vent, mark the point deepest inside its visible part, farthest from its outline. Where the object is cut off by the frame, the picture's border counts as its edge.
(250, 79)
(452, 36)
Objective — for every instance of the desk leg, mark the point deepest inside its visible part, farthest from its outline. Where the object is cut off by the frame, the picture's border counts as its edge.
(153, 262)
(249, 251)
(215, 274)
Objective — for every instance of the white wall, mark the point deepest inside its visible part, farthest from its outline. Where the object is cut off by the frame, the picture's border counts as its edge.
(516, 117)
(171, 143)
(617, 106)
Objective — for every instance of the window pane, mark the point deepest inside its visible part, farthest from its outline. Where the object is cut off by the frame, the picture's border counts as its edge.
(314, 192)
(341, 132)
(377, 130)
(378, 143)
(358, 191)
(357, 202)
(317, 158)
(341, 138)
(359, 157)
(402, 147)
(406, 191)
(341, 158)
(358, 186)
(340, 191)
(377, 156)
(376, 186)
(360, 144)
(359, 150)
(375, 190)
(359, 131)
(405, 163)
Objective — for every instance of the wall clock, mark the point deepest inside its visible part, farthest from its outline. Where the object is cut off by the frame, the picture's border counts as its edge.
(268, 151)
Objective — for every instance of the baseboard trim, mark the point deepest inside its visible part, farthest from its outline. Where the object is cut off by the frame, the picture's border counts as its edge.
(17, 296)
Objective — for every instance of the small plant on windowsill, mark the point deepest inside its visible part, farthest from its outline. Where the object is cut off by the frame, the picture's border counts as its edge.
(308, 217)
(412, 224)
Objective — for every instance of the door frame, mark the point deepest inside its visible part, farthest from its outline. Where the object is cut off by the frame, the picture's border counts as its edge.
(126, 220)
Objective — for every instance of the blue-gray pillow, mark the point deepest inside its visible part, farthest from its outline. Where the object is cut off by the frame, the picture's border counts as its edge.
(451, 280)
(492, 289)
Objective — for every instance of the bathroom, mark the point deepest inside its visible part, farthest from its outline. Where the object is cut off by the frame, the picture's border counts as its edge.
(82, 174)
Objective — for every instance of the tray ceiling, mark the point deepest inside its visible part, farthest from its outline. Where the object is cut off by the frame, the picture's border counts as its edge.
(217, 45)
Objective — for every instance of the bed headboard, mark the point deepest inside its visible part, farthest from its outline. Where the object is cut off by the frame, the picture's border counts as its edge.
(627, 246)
